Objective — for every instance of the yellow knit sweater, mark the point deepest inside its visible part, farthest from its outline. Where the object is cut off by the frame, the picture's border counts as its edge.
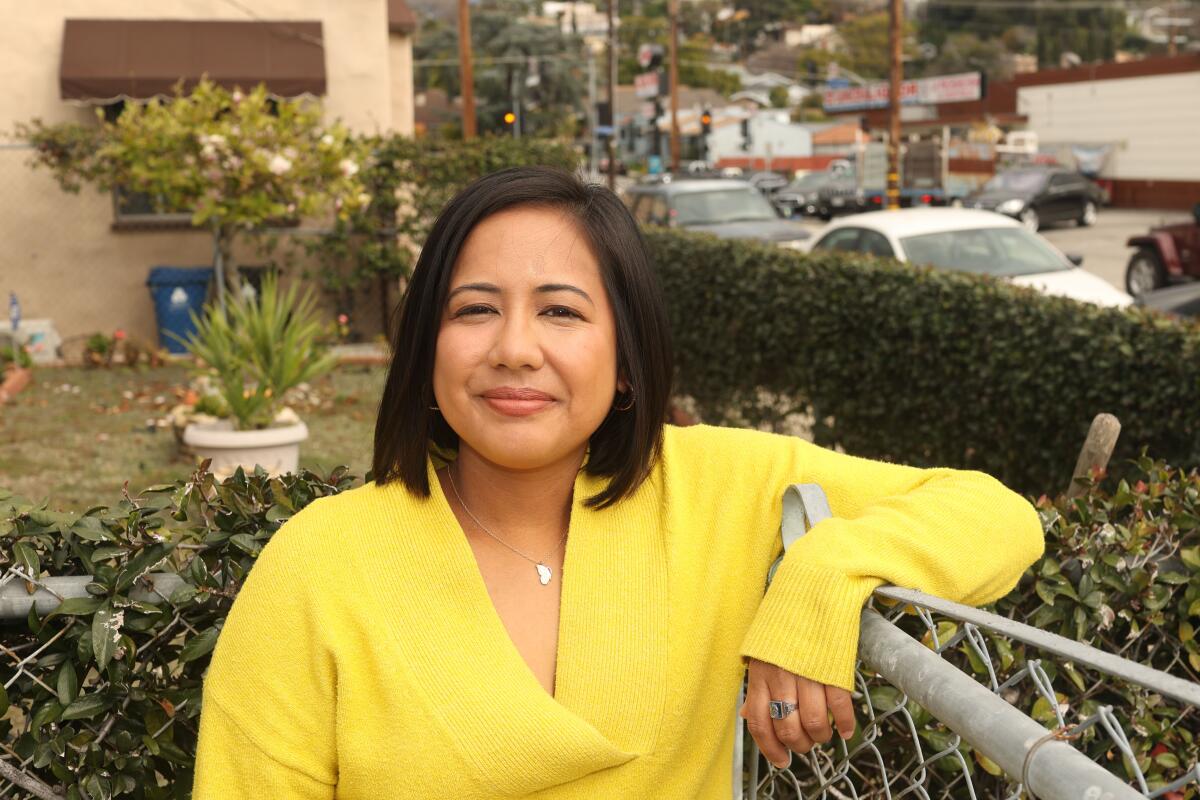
(363, 657)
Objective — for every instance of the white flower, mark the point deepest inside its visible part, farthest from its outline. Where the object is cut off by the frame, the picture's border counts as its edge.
(114, 624)
(327, 139)
(291, 208)
(208, 152)
(290, 152)
(238, 96)
(348, 167)
(279, 164)
(363, 198)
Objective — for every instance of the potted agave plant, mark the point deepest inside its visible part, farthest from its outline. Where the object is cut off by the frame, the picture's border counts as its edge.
(254, 350)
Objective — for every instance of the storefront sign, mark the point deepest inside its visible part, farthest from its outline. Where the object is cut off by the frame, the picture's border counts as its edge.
(961, 88)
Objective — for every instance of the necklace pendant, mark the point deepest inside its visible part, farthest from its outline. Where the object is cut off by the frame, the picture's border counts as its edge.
(544, 573)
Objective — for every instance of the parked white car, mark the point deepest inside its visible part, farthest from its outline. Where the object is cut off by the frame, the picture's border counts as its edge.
(967, 240)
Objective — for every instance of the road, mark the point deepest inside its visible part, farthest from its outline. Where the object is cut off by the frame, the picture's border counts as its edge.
(1103, 245)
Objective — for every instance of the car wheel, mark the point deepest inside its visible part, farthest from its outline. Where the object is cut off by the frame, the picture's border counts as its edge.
(1088, 218)
(1029, 218)
(1144, 273)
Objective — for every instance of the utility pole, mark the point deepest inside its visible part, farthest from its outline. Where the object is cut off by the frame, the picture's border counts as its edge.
(897, 73)
(593, 120)
(673, 55)
(612, 99)
(466, 72)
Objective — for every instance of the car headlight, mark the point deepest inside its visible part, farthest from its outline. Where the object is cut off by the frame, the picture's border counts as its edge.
(1013, 206)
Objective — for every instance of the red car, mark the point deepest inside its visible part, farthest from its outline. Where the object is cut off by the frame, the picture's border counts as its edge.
(1167, 254)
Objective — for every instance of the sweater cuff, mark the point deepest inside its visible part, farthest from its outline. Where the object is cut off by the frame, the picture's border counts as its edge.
(808, 622)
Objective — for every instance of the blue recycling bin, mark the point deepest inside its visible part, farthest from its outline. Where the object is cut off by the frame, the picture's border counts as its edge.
(177, 292)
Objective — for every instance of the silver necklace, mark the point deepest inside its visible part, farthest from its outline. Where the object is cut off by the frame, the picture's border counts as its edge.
(543, 571)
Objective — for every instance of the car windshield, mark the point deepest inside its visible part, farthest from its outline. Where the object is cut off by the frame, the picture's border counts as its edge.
(743, 204)
(1020, 181)
(810, 181)
(1003, 252)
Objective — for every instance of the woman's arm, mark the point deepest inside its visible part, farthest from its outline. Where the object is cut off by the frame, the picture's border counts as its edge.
(267, 724)
(956, 534)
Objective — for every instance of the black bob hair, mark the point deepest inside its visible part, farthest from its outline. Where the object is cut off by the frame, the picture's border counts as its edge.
(627, 443)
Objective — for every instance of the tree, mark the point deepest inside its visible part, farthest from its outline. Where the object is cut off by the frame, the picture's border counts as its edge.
(966, 52)
(541, 66)
(865, 45)
(1058, 26)
(236, 161)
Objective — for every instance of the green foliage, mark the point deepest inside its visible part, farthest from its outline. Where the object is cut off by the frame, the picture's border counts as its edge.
(246, 159)
(259, 347)
(18, 354)
(1048, 29)
(548, 59)
(109, 703)
(235, 161)
(1122, 574)
(924, 367)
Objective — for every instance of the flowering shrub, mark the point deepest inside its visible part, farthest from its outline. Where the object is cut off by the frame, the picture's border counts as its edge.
(235, 160)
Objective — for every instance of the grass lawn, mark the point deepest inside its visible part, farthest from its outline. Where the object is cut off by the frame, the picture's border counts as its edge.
(77, 435)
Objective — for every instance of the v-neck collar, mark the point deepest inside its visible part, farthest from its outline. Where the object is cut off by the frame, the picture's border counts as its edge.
(610, 672)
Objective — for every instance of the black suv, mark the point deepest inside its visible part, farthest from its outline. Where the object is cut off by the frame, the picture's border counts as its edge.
(1037, 195)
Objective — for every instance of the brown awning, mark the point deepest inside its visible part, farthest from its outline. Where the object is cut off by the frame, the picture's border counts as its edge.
(110, 59)
(401, 19)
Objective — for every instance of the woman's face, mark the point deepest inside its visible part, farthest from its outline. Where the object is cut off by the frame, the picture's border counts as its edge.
(526, 362)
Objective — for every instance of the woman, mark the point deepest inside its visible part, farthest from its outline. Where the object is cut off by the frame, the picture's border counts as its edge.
(545, 591)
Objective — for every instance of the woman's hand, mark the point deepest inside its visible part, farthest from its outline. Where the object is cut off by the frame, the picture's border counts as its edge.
(804, 727)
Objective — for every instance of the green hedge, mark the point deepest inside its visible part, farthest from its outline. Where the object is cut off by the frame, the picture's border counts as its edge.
(920, 366)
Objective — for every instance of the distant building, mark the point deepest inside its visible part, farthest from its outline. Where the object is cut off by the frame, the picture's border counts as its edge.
(816, 37)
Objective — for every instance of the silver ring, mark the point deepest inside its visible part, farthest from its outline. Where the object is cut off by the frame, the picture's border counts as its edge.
(780, 709)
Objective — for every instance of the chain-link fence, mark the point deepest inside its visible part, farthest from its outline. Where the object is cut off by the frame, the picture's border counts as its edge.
(955, 702)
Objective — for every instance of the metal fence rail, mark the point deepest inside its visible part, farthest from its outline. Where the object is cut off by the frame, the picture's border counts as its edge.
(933, 728)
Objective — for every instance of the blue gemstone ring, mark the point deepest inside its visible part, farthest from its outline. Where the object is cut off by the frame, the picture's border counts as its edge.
(780, 709)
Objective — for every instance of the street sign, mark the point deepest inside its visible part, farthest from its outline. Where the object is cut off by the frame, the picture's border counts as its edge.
(646, 85)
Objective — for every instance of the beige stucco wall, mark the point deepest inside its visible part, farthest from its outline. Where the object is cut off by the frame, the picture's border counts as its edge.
(60, 254)
(400, 71)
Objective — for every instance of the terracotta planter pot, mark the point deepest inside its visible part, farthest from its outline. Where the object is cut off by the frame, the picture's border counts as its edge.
(277, 450)
(15, 379)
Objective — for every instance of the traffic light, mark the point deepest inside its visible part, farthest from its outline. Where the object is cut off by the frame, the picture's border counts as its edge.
(509, 118)
(706, 122)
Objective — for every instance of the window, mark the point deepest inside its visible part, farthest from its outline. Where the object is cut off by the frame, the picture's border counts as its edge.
(875, 244)
(723, 205)
(138, 209)
(1003, 252)
(843, 240)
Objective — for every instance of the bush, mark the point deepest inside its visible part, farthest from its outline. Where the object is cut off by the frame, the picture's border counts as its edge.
(1122, 573)
(109, 702)
(924, 367)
